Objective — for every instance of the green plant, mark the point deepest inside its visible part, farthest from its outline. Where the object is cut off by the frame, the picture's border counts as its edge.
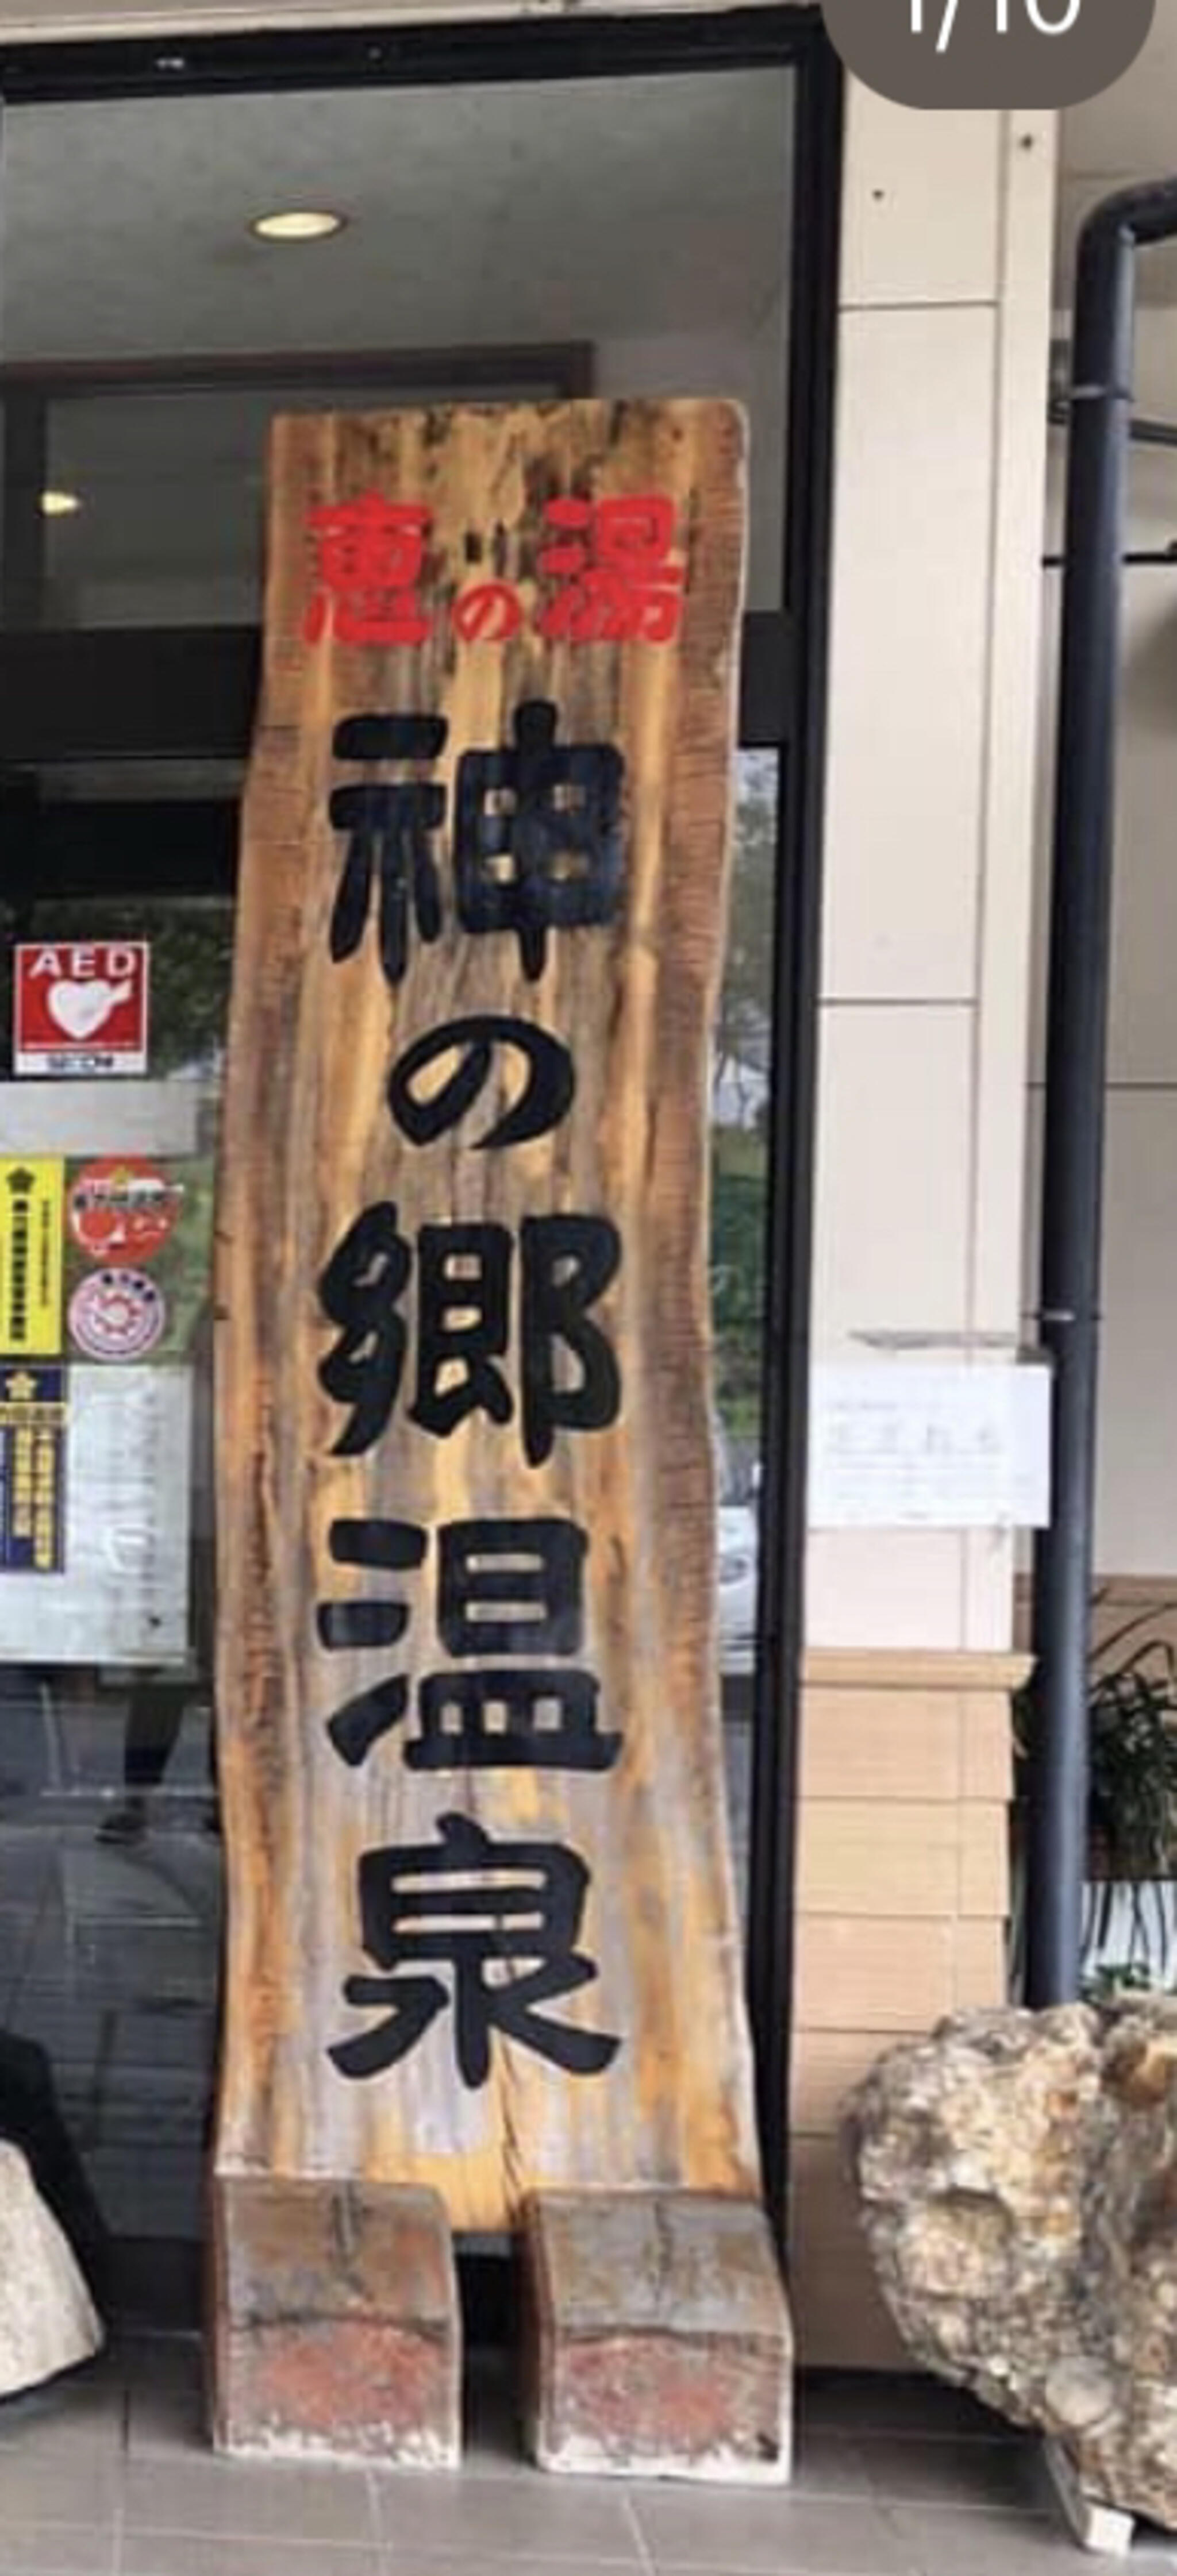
(1132, 1799)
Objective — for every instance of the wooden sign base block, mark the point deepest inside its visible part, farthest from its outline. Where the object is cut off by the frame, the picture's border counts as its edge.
(658, 2338)
(337, 2327)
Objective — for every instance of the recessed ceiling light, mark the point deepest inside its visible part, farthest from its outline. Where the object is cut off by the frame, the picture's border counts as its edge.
(298, 224)
(60, 505)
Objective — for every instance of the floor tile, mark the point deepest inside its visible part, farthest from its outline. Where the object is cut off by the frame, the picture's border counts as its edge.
(166, 2419)
(492, 2440)
(992, 2477)
(186, 2553)
(525, 2516)
(827, 2464)
(734, 2529)
(162, 2361)
(166, 2403)
(468, 2562)
(259, 2500)
(84, 2409)
(64, 2485)
(36, 2550)
(985, 2544)
(877, 2402)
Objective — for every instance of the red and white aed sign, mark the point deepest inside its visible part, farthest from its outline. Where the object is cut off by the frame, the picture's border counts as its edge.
(81, 1006)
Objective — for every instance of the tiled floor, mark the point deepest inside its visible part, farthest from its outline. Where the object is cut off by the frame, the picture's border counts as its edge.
(109, 2476)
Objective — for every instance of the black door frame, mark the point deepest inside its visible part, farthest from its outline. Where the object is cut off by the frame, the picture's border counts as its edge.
(190, 693)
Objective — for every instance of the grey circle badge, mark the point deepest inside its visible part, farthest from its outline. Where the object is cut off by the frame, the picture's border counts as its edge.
(989, 53)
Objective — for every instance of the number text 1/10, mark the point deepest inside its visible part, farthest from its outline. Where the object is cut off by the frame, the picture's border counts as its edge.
(1058, 22)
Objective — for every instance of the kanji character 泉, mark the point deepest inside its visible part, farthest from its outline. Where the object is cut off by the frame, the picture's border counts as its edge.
(620, 583)
(370, 558)
(510, 1943)
(553, 813)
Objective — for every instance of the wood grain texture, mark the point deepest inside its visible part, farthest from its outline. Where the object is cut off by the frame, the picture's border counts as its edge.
(308, 1143)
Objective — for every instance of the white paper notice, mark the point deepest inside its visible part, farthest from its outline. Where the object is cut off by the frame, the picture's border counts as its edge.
(123, 1597)
(947, 1447)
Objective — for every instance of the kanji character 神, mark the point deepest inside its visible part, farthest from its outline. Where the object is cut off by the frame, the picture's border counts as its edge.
(390, 825)
(553, 811)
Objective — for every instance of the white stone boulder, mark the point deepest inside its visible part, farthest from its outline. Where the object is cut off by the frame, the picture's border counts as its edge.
(48, 2322)
(1016, 2176)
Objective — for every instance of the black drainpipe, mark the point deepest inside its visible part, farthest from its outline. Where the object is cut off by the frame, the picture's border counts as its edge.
(1072, 1186)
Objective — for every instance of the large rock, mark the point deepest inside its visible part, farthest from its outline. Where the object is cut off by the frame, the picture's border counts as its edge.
(1017, 2179)
(47, 2317)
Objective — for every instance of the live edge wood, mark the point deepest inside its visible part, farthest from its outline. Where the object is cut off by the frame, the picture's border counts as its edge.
(309, 1143)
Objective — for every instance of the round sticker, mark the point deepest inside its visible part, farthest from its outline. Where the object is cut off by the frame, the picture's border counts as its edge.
(117, 1315)
(123, 1205)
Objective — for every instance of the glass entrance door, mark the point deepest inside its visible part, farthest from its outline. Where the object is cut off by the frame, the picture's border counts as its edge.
(110, 1860)
(508, 230)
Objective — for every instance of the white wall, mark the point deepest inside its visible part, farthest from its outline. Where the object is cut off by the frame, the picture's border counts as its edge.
(939, 507)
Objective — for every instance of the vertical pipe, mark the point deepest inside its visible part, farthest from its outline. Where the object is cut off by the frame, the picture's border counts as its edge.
(1072, 1190)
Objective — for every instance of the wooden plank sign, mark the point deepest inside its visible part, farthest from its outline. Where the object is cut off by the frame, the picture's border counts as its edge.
(482, 1930)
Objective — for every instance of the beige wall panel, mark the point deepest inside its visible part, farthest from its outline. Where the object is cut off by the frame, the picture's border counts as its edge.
(922, 205)
(908, 675)
(891, 1243)
(880, 1744)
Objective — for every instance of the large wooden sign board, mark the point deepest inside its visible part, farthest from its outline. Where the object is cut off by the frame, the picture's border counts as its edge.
(482, 1930)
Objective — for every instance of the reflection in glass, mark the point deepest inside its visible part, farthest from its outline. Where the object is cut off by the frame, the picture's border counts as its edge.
(110, 1862)
(740, 1079)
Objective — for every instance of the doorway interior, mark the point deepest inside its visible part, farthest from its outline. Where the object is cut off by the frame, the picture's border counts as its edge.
(526, 212)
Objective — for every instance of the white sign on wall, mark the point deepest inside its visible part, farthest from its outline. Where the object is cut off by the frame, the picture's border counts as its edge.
(122, 1597)
(899, 1446)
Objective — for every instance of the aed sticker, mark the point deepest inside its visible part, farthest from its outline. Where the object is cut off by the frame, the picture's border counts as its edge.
(32, 1215)
(117, 1315)
(123, 1205)
(80, 1007)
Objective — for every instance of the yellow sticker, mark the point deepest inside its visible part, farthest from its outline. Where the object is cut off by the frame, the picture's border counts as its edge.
(32, 1215)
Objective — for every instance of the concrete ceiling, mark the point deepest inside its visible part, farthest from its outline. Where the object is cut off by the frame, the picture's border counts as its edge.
(564, 211)
(647, 218)
(1127, 135)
